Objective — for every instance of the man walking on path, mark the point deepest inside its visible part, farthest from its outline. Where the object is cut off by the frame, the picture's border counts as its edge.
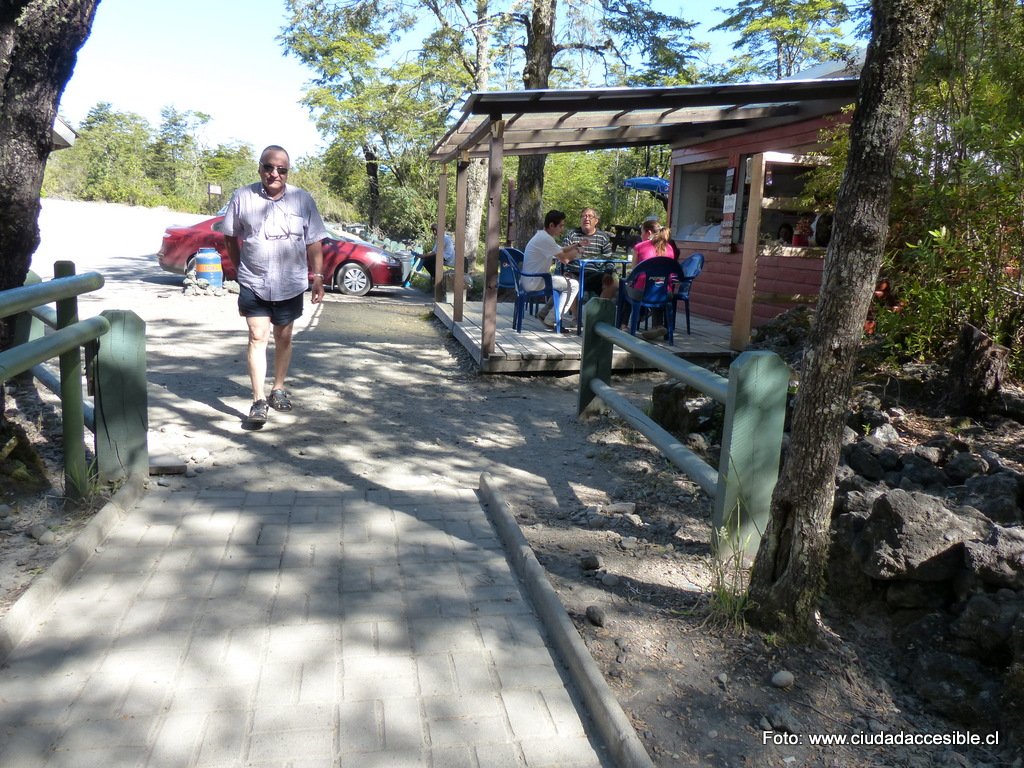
(273, 233)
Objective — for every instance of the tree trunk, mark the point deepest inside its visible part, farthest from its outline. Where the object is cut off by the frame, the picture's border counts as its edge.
(529, 199)
(373, 186)
(39, 42)
(540, 54)
(788, 574)
(476, 178)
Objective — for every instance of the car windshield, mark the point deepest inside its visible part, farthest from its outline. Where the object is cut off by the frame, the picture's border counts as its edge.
(339, 234)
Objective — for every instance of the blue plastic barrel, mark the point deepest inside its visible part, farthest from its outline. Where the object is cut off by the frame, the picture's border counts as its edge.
(208, 267)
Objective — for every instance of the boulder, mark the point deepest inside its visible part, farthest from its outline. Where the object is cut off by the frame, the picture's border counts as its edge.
(998, 559)
(902, 595)
(915, 536)
(996, 496)
(956, 686)
(863, 460)
(669, 406)
(985, 626)
(965, 465)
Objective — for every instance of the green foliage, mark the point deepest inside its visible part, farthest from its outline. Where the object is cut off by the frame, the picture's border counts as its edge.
(780, 37)
(729, 596)
(118, 158)
(957, 234)
(107, 161)
(313, 175)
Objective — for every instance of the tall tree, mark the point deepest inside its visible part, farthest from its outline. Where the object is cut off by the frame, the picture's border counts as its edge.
(107, 162)
(381, 110)
(788, 575)
(623, 28)
(540, 56)
(175, 158)
(780, 37)
(39, 42)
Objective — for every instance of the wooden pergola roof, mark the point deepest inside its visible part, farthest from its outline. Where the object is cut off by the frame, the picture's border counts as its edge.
(548, 121)
(496, 124)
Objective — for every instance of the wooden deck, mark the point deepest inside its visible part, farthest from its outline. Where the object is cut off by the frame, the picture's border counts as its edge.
(539, 349)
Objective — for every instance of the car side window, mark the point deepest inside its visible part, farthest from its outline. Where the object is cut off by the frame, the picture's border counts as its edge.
(218, 226)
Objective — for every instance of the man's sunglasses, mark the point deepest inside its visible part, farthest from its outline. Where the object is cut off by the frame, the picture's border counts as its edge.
(268, 168)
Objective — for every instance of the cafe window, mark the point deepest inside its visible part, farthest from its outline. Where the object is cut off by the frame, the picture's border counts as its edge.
(698, 200)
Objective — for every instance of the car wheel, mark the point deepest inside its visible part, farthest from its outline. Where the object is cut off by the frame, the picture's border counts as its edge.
(353, 280)
(190, 264)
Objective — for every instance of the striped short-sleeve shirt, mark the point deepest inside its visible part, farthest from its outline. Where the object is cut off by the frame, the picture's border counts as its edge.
(273, 236)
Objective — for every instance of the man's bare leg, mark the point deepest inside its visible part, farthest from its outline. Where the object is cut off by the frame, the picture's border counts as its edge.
(259, 336)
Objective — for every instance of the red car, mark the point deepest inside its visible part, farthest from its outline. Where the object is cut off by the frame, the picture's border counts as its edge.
(351, 265)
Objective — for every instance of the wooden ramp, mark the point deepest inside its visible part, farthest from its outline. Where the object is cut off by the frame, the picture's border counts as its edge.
(538, 349)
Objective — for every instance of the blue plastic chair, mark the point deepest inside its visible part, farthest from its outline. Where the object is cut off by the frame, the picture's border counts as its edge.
(513, 258)
(692, 266)
(506, 278)
(662, 278)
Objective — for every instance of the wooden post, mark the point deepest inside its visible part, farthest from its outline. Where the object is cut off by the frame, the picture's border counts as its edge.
(122, 402)
(494, 185)
(27, 326)
(596, 360)
(755, 414)
(76, 471)
(442, 216)
(744, 309)
(459, 284)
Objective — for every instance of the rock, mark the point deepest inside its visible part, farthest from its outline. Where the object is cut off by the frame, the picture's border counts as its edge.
(610, 580)
(914, 536)
(996, 496)
(696, 442)
(591, 562)
(922, 472)
(781, 718)
(999, 558)
(628, 543)
(929, 453)
(955, 686)
(863, 461)
(723, 679)
(6, 510)
(37, 530)
(47, 537)
(964, 465)
(595, 615)
(783, 679)
(986, 625)
(620, 508)
(917, 594)
(886, 433)
(669, 406)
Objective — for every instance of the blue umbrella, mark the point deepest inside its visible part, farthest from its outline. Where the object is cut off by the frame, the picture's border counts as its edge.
(653, 184)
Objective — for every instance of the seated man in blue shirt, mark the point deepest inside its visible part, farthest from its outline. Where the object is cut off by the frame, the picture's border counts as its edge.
(430, 259)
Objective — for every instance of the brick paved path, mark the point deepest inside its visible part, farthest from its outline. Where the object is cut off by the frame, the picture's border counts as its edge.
(223, 628)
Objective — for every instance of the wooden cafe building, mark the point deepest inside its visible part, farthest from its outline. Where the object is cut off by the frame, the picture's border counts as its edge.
(737, 155)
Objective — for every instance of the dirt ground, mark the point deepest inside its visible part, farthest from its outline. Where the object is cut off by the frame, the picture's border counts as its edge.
(697, 686)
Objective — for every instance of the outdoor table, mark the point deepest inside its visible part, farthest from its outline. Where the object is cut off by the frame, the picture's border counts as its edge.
(582, 264)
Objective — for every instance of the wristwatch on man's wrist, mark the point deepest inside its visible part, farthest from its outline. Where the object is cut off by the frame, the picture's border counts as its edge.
(318, 274)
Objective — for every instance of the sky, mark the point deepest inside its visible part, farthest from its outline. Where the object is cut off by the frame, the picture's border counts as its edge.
(214, 56)
(220, 57)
